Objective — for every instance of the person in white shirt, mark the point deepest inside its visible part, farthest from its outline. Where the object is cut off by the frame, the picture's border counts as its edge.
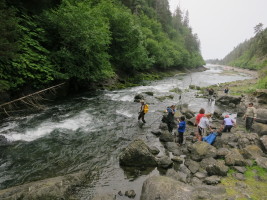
(228, 124)
(204, 124)
(250, 116)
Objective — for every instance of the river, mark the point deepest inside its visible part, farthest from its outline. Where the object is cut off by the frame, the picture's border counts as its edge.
(87, 133)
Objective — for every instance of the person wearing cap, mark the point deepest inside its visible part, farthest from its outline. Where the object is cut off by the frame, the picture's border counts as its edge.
(250, 116)
(203, 125)
(142, 112)
(228, 123)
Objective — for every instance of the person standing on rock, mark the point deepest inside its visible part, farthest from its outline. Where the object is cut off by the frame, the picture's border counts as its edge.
(210, 94)
(181, 130)
(250, 116)
(203, 125)
(226, 90)
(142, 112)
(199, 116)
(228, 123)
(170, 117)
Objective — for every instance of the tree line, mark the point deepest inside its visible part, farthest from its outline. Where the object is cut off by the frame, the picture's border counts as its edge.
(48, 41)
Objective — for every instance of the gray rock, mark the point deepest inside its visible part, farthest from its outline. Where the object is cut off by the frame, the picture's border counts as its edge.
(130, 193)
(207, 161)
(154, 150)
(105, 197)
(227, 99)
(164, 162)
(138, 97)
(261, 116)
(260, 129)
(201, 150)
(217, 169)
(3, 141)
(252, 152)
(200, 175)
(263, 140)
(222, 152)
(262, 162)
(239, 176)
(193, 166)
(212, 180)
(234, 158)
(162, 187)
(166, 137)
(137, 154)
(156, 133)
(178, 176)
(163, 126)
(240, 169)
(177, 159)
(261, 95)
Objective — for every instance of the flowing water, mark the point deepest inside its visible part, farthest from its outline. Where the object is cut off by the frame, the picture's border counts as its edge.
(87, 133)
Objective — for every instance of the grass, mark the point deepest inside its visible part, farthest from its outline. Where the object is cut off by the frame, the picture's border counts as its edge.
(251, 187)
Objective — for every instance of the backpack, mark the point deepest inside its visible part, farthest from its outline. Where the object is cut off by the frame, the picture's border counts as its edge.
(210, 138)
(146, 108)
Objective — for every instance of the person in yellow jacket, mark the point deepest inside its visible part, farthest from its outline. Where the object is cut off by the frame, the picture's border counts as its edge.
(250, 116)
(143, 111)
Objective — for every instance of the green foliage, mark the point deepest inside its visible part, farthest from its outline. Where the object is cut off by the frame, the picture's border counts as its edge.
(82, 41)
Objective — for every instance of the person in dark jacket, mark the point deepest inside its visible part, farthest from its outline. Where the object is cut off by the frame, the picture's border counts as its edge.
(170, 118)
(141, 112)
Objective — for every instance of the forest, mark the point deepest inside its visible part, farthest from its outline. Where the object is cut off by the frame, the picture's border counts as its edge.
(86, 42)
(250, 54)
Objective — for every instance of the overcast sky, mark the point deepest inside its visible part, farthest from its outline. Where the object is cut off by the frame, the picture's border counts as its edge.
(222, 24)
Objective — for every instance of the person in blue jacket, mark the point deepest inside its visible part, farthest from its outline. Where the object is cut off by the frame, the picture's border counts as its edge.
(181, 130)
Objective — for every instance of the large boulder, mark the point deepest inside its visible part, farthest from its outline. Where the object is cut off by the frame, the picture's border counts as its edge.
(138, 97)
(164, 162)
(261, 116)
(262, 162)
(252, 152)
(166, 137)
(260, 129)
(234, 158)
(162, 187)
(264, 142)
(227, 99)
(137, 154)
(218, 168)
(202, 150)
(51, 188)
(261, 95)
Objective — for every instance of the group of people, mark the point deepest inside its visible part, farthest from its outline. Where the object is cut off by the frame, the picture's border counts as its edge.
(202, 121)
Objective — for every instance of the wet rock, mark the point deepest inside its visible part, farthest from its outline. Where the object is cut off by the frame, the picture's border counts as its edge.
(3, 141)
(163, 126)
(218, 114)
(130, 193)
(149, 93)
(260, 129)
(51, 188)
(138, 97)
(234, 158)
(201, 150)
(164, 162)
(166, 137)
(154, 150)
(261, 116)
(191, 121)
(161, 187)
(156, 133)
(194, 87)
(193, 166)
(218, 168)
(187, 113)
(137, 154)
(212, 180)
(264, 142)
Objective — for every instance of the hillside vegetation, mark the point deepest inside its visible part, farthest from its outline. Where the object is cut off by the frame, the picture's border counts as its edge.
(90, 41)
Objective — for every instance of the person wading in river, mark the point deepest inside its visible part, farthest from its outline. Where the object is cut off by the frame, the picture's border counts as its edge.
(250, 116)
(142, 112)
